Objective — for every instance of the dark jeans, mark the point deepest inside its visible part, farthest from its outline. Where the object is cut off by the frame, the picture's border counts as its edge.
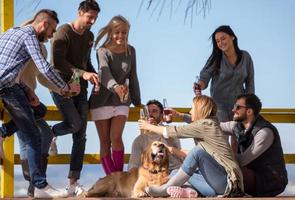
(10, 127)
(74, 111)
(19, 108)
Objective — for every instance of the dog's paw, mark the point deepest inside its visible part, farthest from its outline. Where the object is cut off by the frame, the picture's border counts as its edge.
(139, 194)
(82, 195)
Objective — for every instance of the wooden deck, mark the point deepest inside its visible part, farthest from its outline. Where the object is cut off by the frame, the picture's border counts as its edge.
(104, 198)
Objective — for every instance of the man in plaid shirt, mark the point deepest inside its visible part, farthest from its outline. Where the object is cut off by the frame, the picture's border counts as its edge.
(17, 46)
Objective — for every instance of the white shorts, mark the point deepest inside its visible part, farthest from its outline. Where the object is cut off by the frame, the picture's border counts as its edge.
(107, 112)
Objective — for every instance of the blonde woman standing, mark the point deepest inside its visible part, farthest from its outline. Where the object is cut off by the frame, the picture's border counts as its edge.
(210, 167)
(110, 106)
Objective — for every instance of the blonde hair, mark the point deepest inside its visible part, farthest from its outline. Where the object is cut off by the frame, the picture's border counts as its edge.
(205, 107)
(115, 22)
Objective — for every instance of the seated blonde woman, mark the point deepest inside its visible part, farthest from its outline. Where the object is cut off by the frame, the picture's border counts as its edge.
(210, 167)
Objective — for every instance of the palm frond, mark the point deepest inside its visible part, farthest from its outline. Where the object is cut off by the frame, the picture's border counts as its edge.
(193, 8)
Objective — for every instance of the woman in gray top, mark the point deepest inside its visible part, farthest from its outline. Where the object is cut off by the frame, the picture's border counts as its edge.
(119, 88)
(230, 70)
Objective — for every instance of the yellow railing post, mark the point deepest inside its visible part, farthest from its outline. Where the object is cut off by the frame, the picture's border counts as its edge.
(7, 169)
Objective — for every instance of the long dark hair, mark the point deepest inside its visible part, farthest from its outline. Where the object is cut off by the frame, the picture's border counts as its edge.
(216, 55)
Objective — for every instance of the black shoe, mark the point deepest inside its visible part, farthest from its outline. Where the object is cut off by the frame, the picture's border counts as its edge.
(31, 190)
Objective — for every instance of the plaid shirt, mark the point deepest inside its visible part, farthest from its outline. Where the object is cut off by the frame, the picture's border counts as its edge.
(17, 46)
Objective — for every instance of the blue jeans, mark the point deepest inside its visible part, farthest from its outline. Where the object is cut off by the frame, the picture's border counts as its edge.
(74, 111)
(207, 176)
(19, 108)
(46, 138)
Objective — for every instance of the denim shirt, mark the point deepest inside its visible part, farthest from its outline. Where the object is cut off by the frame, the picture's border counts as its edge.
(231, 80)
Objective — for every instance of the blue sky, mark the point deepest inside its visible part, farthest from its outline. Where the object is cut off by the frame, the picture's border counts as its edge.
(170, 52)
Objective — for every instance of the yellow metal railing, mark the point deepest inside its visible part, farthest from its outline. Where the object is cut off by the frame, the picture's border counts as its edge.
(7, 171)
(11, 159)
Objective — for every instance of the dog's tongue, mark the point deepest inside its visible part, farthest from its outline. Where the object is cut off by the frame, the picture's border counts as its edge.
(160, 154)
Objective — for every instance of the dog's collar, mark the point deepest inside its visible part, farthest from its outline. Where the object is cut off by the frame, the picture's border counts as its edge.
(155, 171)
(152, 171)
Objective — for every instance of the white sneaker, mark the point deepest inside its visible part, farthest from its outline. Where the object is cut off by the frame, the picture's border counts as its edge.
(74, 190)
(1, 148)
(53, 147)
(49, 192)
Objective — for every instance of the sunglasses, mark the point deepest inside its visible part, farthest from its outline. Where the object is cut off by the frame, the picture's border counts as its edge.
(238, 107)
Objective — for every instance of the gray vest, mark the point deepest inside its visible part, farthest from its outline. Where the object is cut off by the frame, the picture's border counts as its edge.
(269, 167)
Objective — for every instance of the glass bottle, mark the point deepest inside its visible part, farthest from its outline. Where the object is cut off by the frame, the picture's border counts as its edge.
(124, 99)
(167, 112)
(75, 79)
(97, 87)
(197, 87)
(143, 115)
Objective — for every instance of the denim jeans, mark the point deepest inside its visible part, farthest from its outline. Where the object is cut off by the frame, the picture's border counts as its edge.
(74, 111)
(207, 175)
(46, 138)
(19, 108)
(10, 127)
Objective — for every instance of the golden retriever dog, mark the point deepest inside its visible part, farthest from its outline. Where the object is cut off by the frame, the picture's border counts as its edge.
(153, 172)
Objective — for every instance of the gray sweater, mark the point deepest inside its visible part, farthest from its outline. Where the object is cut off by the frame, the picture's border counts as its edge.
(115, 69)
(231, 81)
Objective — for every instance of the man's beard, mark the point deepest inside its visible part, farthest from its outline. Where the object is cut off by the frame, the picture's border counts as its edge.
(42, 37)
(240, 118)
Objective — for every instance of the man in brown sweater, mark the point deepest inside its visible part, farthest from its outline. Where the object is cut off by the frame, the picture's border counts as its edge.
(71, 48)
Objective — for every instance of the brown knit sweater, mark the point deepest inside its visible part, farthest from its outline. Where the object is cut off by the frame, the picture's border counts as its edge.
(70, 50)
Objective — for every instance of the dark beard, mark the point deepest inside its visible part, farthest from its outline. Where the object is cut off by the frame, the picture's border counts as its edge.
(240, 118)
(42, 36)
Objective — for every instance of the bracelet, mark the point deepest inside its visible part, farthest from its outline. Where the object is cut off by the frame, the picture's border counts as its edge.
(115, 86)
(65, 89)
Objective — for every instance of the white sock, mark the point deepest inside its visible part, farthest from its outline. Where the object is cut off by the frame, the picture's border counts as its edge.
(177, 180)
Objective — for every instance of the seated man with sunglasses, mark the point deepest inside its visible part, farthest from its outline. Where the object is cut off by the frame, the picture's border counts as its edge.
(260, 153)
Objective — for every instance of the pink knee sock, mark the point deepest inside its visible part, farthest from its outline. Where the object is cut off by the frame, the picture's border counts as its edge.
(118, 158)
(108, 164)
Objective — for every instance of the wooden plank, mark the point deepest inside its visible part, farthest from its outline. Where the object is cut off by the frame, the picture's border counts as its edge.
(207, 198)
